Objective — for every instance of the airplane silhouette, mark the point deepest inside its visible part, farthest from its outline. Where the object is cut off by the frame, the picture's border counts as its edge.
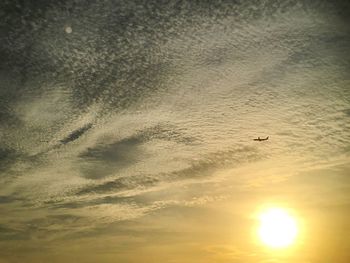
(259, 139)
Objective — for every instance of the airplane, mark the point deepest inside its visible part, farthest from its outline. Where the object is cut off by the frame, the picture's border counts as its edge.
(259, 139)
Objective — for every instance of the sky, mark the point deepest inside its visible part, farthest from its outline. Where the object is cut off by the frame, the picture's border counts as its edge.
(127, 130)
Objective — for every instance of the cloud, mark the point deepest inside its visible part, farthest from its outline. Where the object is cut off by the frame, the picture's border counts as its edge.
(5, 199)
(8, 233)
(74, 135)
(101, 161)
(7, 158)
(143, 108)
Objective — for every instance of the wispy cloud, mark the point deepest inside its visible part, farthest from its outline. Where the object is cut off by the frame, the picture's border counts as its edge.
(149, 107)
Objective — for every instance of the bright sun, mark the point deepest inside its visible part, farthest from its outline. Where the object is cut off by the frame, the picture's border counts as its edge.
(277, 228)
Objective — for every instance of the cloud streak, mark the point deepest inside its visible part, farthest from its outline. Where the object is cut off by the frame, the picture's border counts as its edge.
(153, 106)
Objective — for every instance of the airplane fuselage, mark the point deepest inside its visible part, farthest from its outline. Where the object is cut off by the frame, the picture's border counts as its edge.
(259, 139)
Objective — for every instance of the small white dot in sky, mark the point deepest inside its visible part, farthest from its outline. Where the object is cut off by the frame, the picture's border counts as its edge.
(68, 29)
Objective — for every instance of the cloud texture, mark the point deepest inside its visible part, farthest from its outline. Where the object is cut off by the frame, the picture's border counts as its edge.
(145, 100)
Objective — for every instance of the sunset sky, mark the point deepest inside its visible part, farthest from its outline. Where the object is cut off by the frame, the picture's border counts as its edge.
(127, 130)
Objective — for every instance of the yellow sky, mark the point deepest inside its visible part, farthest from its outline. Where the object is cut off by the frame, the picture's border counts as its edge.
(130, 137)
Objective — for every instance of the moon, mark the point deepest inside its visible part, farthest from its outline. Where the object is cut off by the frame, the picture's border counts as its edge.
(278, 229)
(68, 29)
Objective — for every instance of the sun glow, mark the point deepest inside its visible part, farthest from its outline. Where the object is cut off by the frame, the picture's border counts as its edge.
(277, 228)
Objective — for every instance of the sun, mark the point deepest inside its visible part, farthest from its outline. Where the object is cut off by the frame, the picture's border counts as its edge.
(278, 229)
